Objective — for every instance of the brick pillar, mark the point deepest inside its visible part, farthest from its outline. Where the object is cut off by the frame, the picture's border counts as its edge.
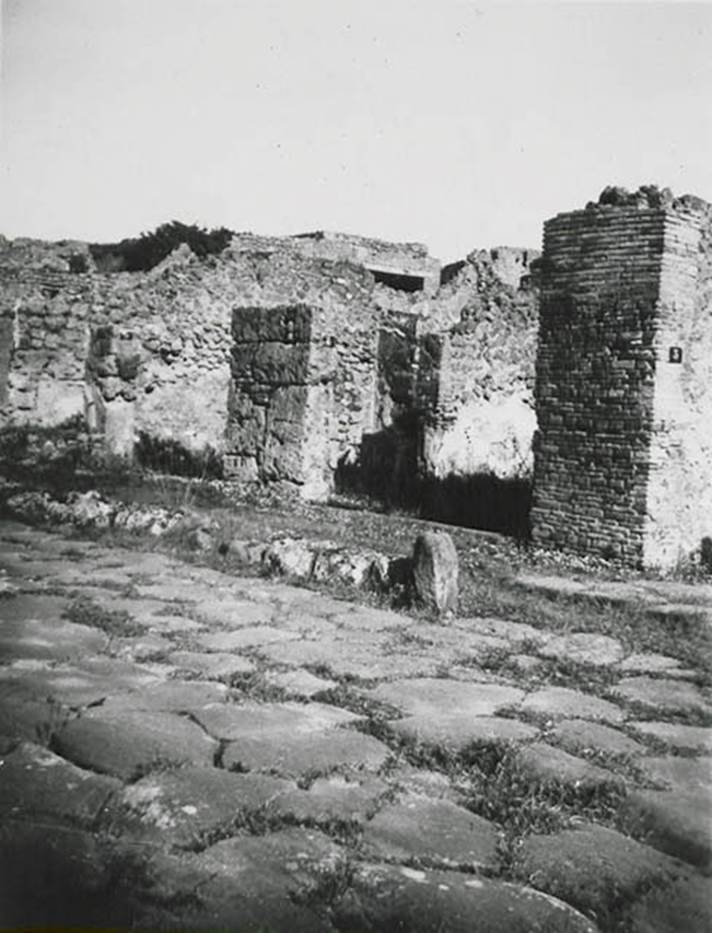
(625, 295)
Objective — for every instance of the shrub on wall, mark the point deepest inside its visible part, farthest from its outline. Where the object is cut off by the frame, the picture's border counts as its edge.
(139, 254)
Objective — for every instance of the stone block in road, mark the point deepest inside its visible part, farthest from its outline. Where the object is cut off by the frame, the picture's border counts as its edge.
(547, 764)
(182, 807)
(593, 868)
(576, 735)
(128, 743)
(397, 897)
(457, 731)
(238, 721)
(682, 905)
(583, 648)
(37, 784)
(677, 735)
(676, 822)
(436, 696)
(296, 753)
(660, 695)
(435, 831)
(564, 703)
(435, 571)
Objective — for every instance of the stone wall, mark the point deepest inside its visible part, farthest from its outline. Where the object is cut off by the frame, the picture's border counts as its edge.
(623, 461)
(480, 416)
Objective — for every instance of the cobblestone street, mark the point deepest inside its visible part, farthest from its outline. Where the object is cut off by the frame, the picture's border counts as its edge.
(183, 749)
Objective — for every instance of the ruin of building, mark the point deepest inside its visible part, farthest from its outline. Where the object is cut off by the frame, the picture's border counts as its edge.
(623, 460)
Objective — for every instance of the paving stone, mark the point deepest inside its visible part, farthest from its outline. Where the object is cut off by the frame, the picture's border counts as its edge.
(182, 807)
(28, 606)
(77, 686)
(35, 783)
(347, 659)
(549, 765)
(397, 897)
(142, 647)
(337, 797)
(171, 696)
(299, 682)
(673, 821)
(296, 753)
(512, 632)
(229, 612)
(213, 666)
(677, 735)
(648, 664)
(25, 715)
(256, 883)
(580, 734)
(661, 694)
(261, 720)
(458, 730)
(56, 877)
(583, 648)
(52, 638)
(682, 905)
(435, 831)
(421, 781)
(248, 637)
(593, 868)
(564, 703)
(128, 742)
(684, 773)
(433, 696)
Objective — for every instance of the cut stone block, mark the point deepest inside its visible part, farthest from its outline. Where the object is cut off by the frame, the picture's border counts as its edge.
(261, 720)
(592, 867)
(247, 637)
(583, 648)
(677, 735)
(434, 831)
(563, 703)
(129, 742)
(296, 753)
(549, 765)
(171, 696)
(211, 665)
(579, 734)
(435, 571)
(674, 822)
(687, 774)
(434, 696)
(683, 905)
(299, 682)
(661, 694)
(37, 784)
(457, 731)
(397, 897)
(184, 806)
(335, 797)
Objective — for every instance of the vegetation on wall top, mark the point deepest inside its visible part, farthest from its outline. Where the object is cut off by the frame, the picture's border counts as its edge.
(139, 254)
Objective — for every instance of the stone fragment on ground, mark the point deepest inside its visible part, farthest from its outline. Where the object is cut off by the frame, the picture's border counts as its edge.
(432, 832)
(435, 571)
(398, 897)
(583, 648)
(564, 703)
(580, 735)
(127, 743)
(661, 695)
(595, 869)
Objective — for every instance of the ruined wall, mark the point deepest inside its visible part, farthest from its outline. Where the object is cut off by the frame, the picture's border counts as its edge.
(623, 285)
(303, 376)
(44, 330)
(480, 417)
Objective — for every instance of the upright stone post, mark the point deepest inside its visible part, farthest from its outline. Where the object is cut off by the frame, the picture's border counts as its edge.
(623, 457)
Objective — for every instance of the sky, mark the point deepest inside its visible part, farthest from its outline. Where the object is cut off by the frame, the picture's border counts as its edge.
(455, 123)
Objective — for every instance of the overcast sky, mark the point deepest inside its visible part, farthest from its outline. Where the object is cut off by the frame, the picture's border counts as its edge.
(456, 123)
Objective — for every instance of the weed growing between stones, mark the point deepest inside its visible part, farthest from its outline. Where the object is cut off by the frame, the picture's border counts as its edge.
(330, 884)
(116, 623)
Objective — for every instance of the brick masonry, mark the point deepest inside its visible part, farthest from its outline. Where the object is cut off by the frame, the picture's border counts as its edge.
(623, 459)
